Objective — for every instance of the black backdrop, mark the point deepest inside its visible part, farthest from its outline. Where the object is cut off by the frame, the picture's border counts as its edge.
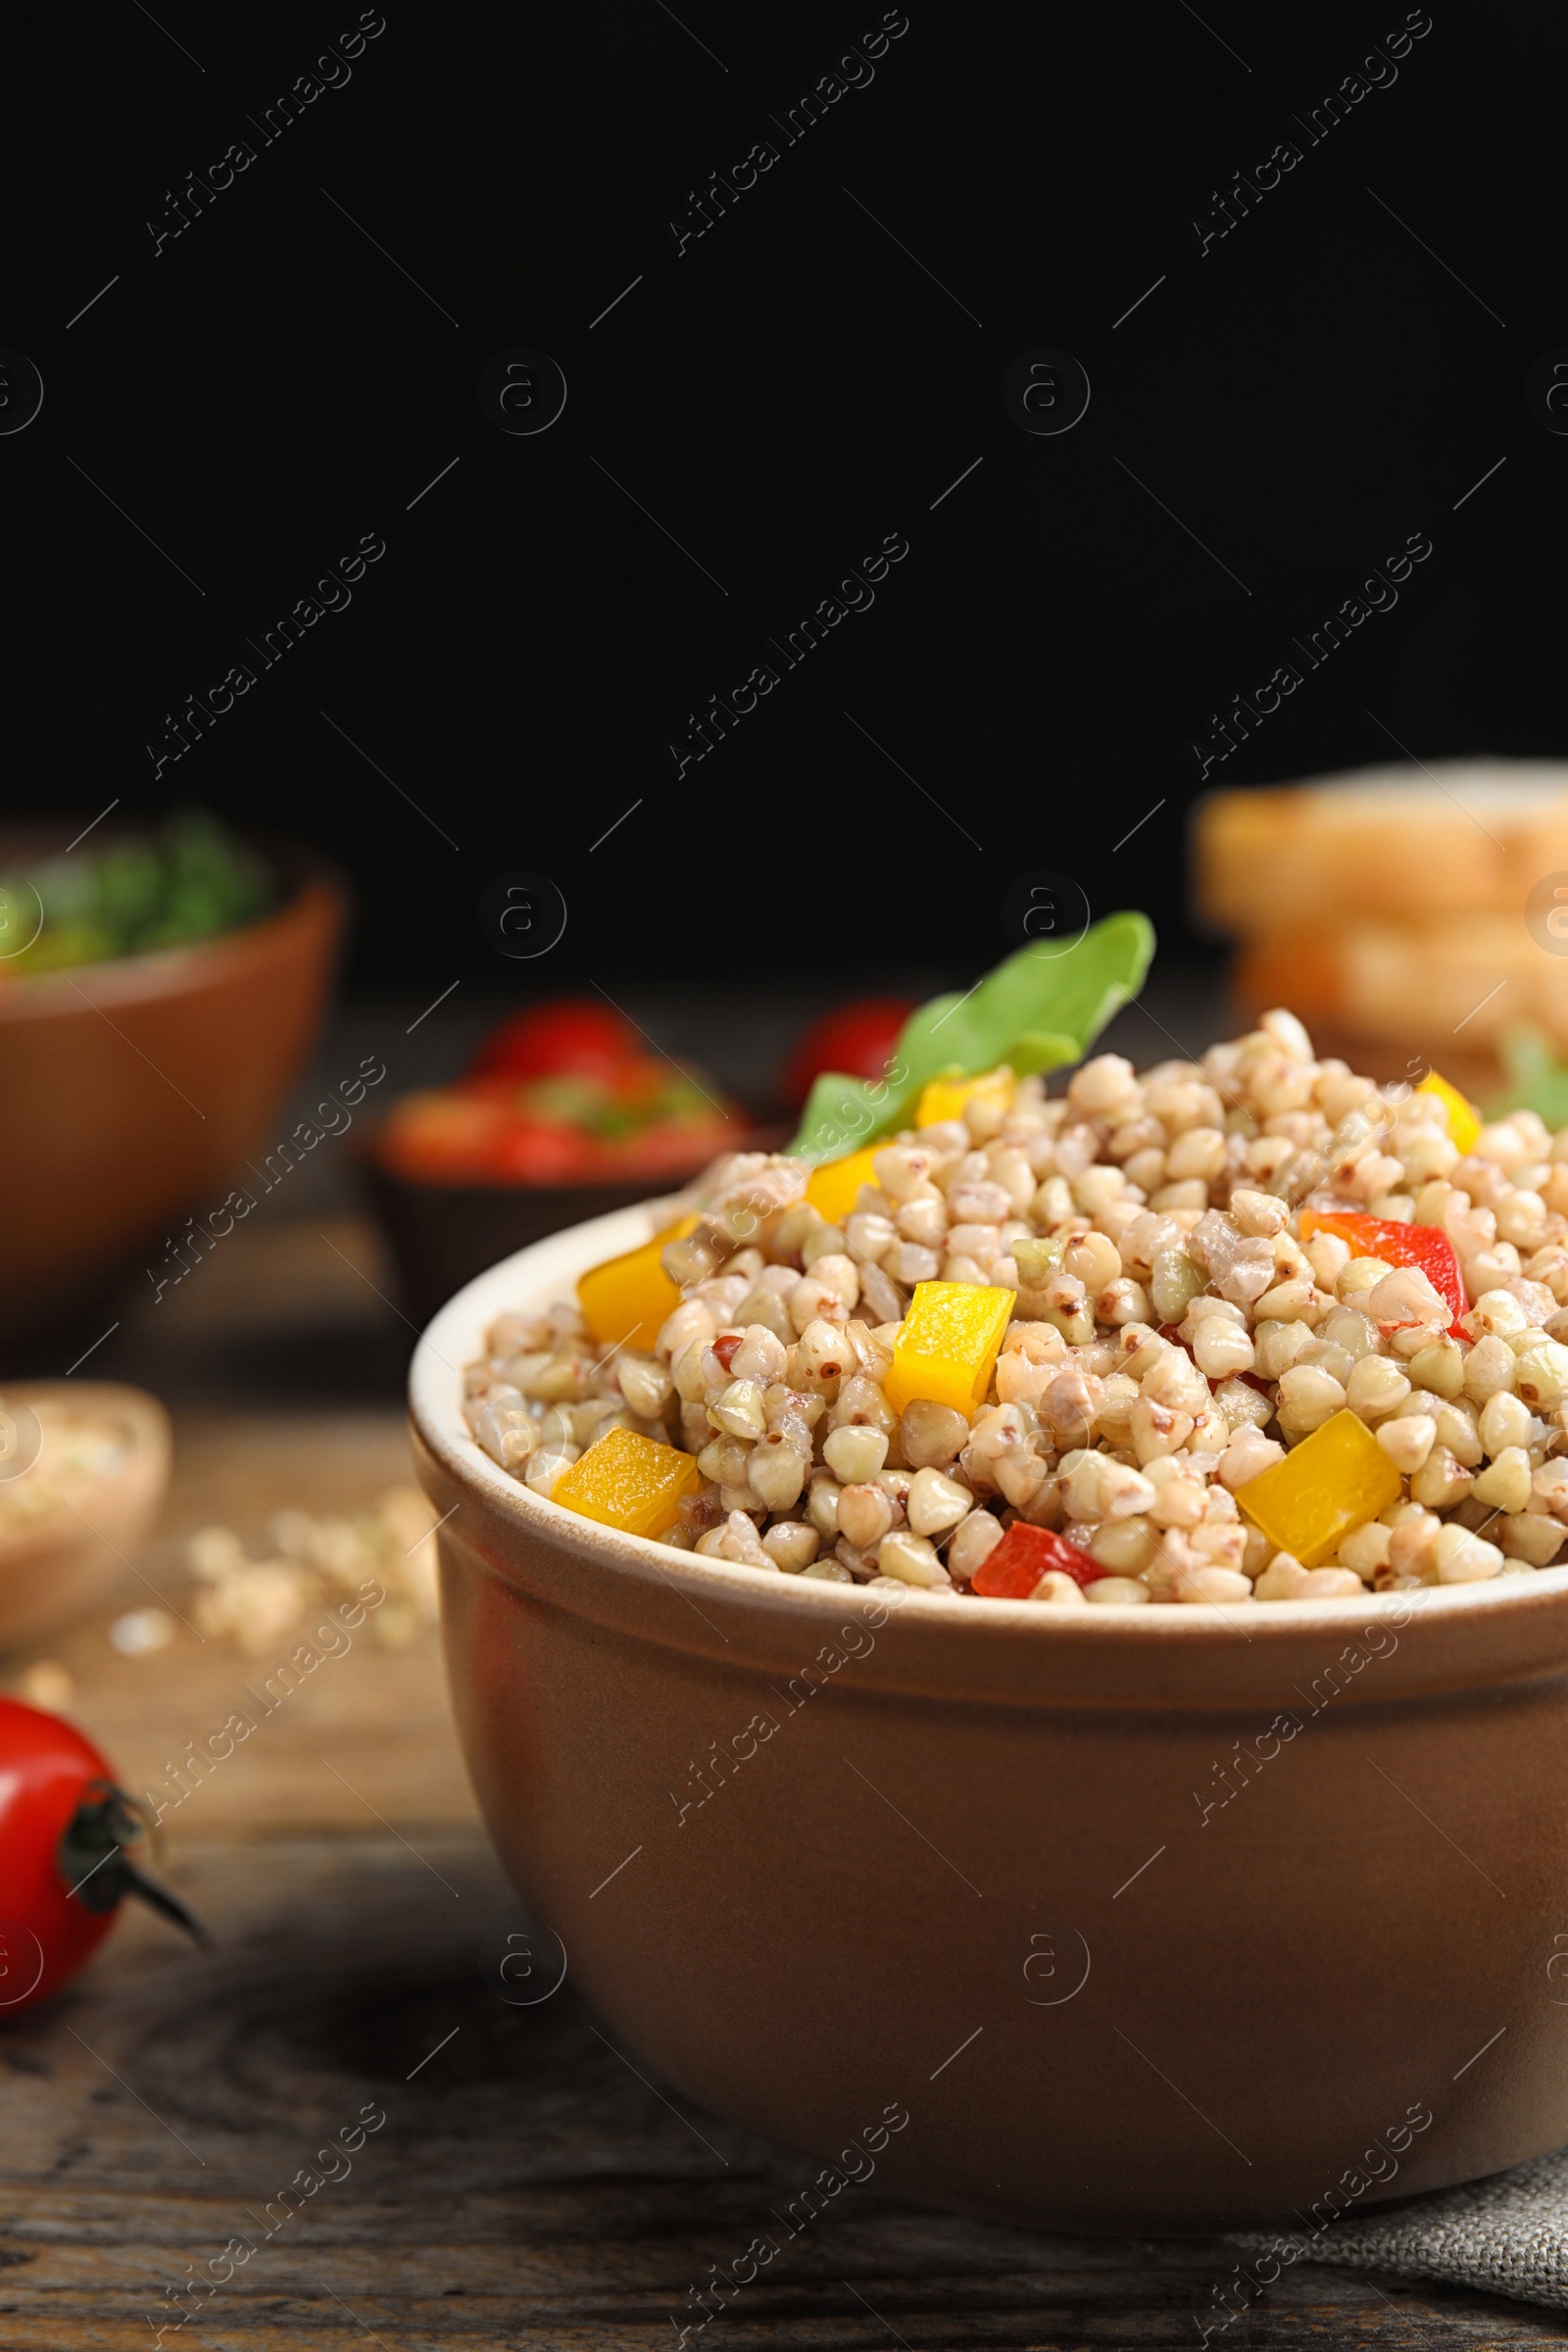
(754, 415)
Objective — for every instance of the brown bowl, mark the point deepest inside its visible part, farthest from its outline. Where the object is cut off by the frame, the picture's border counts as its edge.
(1145, 1918)
(133, 1089)
(442, 1235)
(64, 1563)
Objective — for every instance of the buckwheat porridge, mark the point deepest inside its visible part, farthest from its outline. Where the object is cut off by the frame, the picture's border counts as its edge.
(1250, 1329)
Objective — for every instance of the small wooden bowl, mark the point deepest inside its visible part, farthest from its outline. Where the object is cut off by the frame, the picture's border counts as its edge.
(135, 1087)
(65, 1563)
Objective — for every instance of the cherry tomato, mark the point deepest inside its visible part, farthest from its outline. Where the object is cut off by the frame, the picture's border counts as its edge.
(857, 1039)
(67, 1835)
(539, 1151)
(571, 1037)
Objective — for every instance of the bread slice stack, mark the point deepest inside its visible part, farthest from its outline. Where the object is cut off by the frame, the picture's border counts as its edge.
(1402, 912)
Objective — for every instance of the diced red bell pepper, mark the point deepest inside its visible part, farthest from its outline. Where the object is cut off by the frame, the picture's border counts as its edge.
(1398, 1244)
(1014, 1568)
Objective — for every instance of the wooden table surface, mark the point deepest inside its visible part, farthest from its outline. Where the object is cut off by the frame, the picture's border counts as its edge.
(527, 2185)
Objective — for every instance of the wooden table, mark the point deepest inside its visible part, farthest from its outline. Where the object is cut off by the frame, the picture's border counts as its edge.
(528, 2184)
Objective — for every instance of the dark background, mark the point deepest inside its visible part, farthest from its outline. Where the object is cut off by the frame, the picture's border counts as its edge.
(783, 394)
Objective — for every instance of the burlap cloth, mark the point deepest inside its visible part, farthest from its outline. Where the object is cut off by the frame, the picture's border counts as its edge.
(1507, 2236)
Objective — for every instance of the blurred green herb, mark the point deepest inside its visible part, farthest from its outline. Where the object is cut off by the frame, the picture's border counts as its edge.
(1037, 1011)
(191, 880)
(1537, 1079)
(602, 1108)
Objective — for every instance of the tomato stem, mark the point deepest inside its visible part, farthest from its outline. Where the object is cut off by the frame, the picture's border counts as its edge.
(93, 1858)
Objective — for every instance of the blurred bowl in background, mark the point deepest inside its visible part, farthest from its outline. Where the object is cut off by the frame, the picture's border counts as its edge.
(88, 1496)
(134, 1087)
(564, 1113)
(442, 1235)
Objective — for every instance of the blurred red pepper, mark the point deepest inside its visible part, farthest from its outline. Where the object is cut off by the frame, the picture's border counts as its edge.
(858, 1040)
(573, 1037)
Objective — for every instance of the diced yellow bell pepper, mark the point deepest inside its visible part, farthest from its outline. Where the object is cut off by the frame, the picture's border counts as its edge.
(629, 1481)
(834, 1185)
(945, 1098)
(626, 1300)
(1463, 1124)
(1337, 1479)
(947, 1345)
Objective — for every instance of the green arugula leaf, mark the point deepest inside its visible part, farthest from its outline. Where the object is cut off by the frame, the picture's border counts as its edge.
(1036, 1011)
(1537, 1079)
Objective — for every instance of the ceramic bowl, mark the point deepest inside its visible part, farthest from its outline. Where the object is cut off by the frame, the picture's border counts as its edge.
(134, 1088)
(1148, 1919)
(68, 1559)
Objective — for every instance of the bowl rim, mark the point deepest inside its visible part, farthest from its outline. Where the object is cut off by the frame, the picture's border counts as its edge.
(546, 1270)
(314, 891)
